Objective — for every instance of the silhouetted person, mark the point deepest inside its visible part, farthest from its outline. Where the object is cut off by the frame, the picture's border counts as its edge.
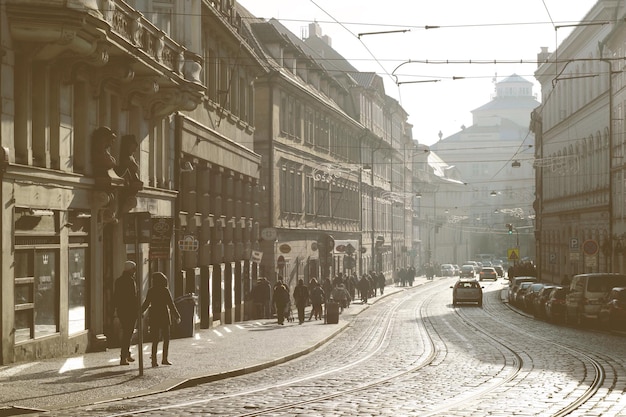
(126, 305)
(159, 300)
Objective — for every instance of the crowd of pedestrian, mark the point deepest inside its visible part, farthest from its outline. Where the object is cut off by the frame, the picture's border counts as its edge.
(342, 289)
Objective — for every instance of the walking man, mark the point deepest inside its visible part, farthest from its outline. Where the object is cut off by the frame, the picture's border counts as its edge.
(125, 303)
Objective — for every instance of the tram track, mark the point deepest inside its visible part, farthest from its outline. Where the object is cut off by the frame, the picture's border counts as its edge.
(591, 364)
(372, 342)
(431, 332)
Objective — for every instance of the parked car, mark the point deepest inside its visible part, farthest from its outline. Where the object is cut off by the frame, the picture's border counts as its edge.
(487, 273)
(555, 304)
(447, 270)
(467, 271)
(613, 309)
(467, 291)
(514, 286)
(530, 294)
(539, 301)
(518, 297)
(586, 293)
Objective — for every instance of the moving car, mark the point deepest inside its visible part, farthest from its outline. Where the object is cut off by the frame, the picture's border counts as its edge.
(467, 291)
(487, 273)
(586, 293)
(447, 270)
(467, 271)
(613, 309)
(499, 270)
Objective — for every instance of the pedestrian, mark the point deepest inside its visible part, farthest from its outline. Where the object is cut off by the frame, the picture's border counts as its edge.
(381, 282)
(301, 297)
(341, 296)
(281, 300)
(364, 288)
(162, 308)
(126, 305)
(317, 299)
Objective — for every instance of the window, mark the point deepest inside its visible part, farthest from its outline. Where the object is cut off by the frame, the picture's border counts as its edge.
(36, 281)
(77, 268)
(36, 294)
(162, 16)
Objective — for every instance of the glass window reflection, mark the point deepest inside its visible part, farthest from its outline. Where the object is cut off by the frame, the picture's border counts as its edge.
(77, 267)
(46, 289)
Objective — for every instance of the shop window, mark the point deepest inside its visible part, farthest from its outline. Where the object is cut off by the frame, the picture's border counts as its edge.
(77, 267)
(36, 282)
(36, 294)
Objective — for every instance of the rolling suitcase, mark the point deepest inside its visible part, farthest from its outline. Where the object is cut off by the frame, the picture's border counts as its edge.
(332, 312)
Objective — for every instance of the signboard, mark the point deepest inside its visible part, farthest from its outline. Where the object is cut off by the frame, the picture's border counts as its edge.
(513, 254)
(574, 244)
(590, 247)
(161, 237)
(188, 244)
(257, 256)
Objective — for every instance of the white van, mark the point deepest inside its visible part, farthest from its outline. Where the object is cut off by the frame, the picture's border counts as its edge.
(585, 295)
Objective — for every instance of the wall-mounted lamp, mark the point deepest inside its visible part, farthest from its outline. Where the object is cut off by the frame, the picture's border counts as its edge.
(493, 193)
(418, 195)
(516, 164)
(40, 213)
(186, 167)
(83, 215)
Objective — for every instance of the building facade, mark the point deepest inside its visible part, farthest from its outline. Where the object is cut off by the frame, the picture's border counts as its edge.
(119, 143)
(199, 142)
(580, 140)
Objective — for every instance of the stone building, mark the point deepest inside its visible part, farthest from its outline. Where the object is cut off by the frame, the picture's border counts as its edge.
(580, 146)
(495, 158)
(126, 133)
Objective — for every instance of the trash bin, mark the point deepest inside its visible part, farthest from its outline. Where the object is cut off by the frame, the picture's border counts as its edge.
(186, 305)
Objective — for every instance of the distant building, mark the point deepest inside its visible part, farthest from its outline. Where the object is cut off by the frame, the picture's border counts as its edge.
(494, 156)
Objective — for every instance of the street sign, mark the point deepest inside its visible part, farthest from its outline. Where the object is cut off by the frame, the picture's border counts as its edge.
(257, 256)
(513, 254)
(574, 244)
(590, 247)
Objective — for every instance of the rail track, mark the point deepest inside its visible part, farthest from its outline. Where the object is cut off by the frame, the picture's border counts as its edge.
(373, 361)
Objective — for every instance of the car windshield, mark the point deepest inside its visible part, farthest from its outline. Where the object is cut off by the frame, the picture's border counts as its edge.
(467, 284)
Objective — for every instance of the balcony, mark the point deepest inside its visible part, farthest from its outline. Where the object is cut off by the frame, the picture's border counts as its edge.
(113, 38)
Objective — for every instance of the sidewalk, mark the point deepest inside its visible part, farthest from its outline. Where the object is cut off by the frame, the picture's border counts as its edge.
(212, 354)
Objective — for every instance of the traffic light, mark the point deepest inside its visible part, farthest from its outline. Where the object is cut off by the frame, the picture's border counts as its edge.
(510, 226)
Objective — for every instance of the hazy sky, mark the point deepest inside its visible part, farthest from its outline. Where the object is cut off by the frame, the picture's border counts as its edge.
(480, 30)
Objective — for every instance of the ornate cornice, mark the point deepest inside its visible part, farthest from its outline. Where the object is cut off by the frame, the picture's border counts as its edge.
(116, 40)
